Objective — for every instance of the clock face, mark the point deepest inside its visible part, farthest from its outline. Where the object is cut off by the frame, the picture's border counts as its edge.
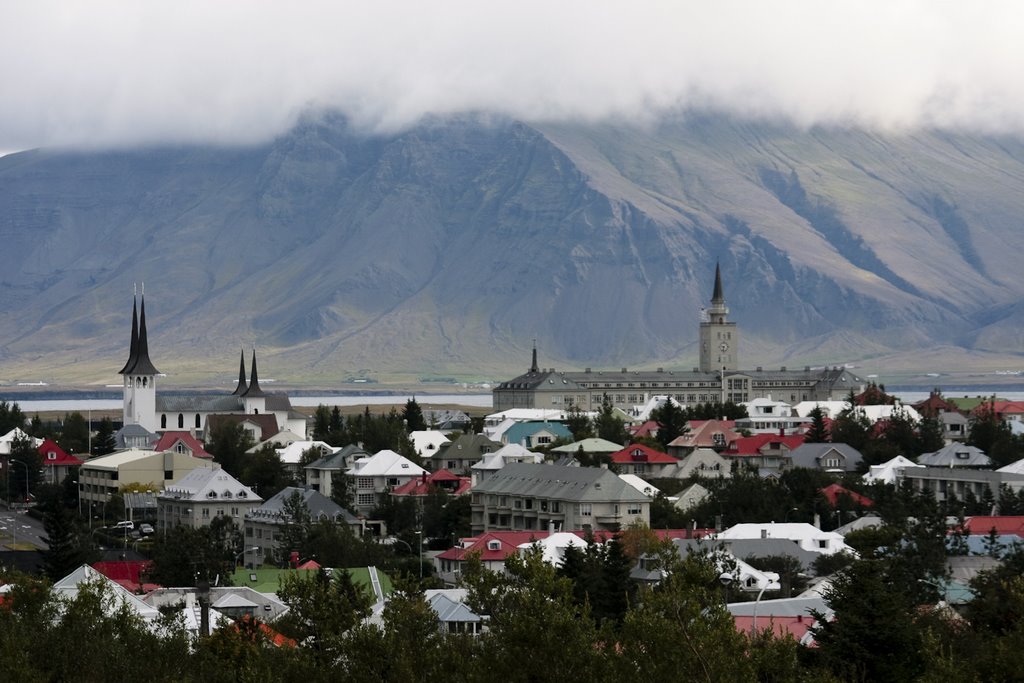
(724, 346)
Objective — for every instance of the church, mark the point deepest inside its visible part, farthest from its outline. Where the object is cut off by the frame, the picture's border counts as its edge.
(145, 411)
(717, 379)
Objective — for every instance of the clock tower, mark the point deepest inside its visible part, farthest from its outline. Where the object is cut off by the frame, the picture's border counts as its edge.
(719, 338)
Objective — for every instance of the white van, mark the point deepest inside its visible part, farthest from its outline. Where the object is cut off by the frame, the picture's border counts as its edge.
(126, 524)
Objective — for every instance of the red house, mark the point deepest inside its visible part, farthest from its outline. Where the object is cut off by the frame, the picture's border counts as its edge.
(56, 462)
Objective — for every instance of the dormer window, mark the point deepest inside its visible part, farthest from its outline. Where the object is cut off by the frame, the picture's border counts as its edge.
(51, 455)
(211, 494)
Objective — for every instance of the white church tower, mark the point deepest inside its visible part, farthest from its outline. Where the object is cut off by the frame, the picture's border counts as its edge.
(140, 375)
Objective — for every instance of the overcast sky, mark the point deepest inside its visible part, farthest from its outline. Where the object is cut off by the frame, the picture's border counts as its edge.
(122, 73)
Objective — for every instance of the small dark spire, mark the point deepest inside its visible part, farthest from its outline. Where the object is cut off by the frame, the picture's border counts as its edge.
(133, 350)
(254, 381)
(717, 297)
(242, 385)
(143, 365)
(533, 365)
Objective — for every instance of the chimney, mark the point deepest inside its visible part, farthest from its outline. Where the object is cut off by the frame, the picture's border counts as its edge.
(764, 533)
(817, 521)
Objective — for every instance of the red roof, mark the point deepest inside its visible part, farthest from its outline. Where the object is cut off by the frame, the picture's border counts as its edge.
(440, 480)
(169, 439)
(981, 525)
(702, 434)
(639, 453)
(797, 626)
(48, 447)
(757, 444)
(273, 636)
(127, 573)
(833, 491)
(649, 428)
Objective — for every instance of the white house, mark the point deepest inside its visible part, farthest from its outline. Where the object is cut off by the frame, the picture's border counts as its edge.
(807, 536)
(889, 472)
(201, 496)
(380, 473)
(426, 442)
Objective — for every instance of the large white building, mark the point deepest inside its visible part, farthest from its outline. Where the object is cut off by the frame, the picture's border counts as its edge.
(156, 413)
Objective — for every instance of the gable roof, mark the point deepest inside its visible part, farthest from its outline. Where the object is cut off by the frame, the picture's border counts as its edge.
(386, 463)
(169, 439)
(469, 447)
(832, 492)
(204, 484)
(267, 422)
(442, 480)
(956, 455)
(61, 458)
(810, 455)
(757, 444)
(636, 452)
(319, 506)
(581, 484)
(590, 445)
(703, 434)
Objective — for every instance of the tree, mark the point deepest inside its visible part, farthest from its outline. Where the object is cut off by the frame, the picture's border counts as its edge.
(412, 415)
(818, 432)
(227, 443)
(74, 434)
(183, 555)
(342, 490)
(608, 425)
(322, 608)
(578, 422)
(64, 550)
(671, 421)
(104, 441)
(296, 528)
(321, 422)
(22, 467)
(11, 416)
(264, 472)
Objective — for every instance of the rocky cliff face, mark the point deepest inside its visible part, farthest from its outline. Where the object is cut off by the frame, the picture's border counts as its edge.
(446, 249)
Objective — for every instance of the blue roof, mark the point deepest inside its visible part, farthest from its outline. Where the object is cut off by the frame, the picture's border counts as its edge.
(523, 433)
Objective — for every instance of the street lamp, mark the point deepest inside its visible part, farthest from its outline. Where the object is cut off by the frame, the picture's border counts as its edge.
(246, 550)
(419, 538)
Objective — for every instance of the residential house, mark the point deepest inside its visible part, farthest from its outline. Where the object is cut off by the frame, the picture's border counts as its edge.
(889, 472)
(181, 442)
(293, 454)
(8, 439)
(259, 427)
(460, 455)
(644, 461)
(595, 448)
(282, 439)
(446, 420)
(441, 481)
(495, 424)
(536, 434)
(453, 615)
(766, 416)
(56, 463)
(807, 536)
(716, 435)
(427, 442)
(640, 485)
(379, 474)
(201, 496)
(690, 497)
(492, 462)
(828, 457)
(956, 455)
(703, 462)
(320, 473)
(533, 497)
(264, 524)
(764, 451)
(101, 477)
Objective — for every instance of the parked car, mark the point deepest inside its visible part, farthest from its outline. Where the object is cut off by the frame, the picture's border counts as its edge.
(146, 528)
(126, 524)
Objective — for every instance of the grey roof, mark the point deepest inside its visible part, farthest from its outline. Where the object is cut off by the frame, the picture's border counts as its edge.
(809, 455)
(834, 378)
(320, 506)
(784, 607)
(753, 547)
(339, 460)
(591, 445)
(449, 609)
(197, 403)
(956, 455)
(134, 432)
(468, 447)
(560, 483)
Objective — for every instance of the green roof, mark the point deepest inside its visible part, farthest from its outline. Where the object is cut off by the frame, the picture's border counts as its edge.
(268, 579)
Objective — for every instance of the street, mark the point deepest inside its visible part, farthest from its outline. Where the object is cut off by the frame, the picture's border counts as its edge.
(16, 525)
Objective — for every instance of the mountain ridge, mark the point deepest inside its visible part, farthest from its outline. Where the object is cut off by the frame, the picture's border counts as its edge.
(448, 247)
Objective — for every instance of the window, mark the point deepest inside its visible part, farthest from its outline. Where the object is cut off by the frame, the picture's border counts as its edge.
(586, 509)
(364, 483)
(366, 499)
(181, 421)
(634, 509)
(556, 506)
(529, 503)
(198, 424)
(163, 422)
(51, 456)
(206, 513)
(517, 503)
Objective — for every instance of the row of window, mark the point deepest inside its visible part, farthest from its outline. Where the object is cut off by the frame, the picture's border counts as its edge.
(181, 421)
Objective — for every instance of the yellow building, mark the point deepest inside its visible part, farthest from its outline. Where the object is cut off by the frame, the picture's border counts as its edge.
(101, 477)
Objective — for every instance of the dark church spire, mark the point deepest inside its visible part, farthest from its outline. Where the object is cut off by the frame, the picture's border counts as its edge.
(717, 297)
(138, 354)
(143, 365)
(242, 385)
(133, 350)
(533, 365)
(254, 382)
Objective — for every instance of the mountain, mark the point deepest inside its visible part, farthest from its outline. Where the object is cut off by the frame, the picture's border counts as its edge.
(447, 248)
